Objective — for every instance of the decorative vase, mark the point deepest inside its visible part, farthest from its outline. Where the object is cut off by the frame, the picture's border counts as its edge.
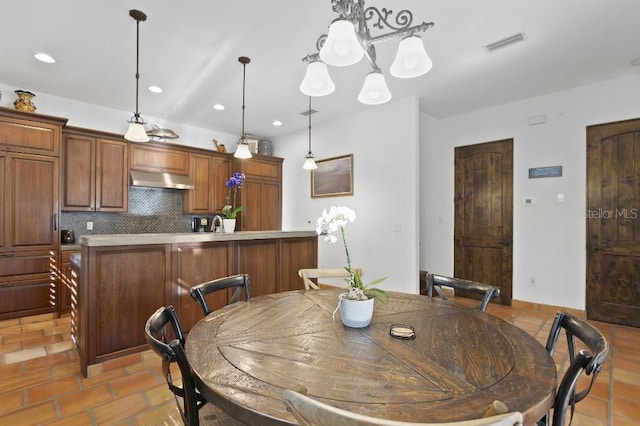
(23, 103)
(229, 225)
(355, 313)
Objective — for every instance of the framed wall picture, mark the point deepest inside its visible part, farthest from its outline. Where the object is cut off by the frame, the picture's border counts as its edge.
(333, 177)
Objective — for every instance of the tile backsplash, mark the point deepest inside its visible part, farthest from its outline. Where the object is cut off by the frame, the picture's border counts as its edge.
(151, 210)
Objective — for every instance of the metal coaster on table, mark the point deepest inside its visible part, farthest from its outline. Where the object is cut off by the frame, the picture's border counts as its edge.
(402, 331)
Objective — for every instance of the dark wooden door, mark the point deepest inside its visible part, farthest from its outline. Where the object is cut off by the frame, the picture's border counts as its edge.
(613, 222)
(484, 215)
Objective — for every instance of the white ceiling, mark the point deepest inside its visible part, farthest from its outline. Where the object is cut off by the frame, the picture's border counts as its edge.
(190, 48)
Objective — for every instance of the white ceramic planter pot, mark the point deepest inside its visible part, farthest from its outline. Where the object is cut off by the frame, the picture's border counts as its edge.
(229, 225)
(355, 313)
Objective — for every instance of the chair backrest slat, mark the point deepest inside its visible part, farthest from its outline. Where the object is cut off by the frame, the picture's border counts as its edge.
(309, 411)
(308, 274)
(239, 281)
(436, 282)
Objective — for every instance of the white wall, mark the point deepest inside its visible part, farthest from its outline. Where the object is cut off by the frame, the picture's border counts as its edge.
(384, 238)
(97, 117)
(549, 237)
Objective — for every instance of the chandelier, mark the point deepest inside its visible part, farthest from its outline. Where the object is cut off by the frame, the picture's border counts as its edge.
(349, 39)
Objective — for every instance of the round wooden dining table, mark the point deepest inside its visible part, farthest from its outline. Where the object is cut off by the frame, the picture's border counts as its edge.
(461, 359)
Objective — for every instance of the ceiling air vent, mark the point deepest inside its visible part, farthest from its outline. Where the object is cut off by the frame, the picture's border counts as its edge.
(508, 41)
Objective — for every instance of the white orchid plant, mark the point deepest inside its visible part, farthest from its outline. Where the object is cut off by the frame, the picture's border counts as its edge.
(336, 218)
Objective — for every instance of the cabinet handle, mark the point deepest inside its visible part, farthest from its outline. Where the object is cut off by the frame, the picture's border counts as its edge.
(6, 285)
(7, 255)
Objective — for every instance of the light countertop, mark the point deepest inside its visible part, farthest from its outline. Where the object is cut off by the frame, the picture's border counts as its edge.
(191, 237)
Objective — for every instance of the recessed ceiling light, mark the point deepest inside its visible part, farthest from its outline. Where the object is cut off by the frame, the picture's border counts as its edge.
(218, 107)
(277, 123)
(43, 57)
(154, 89)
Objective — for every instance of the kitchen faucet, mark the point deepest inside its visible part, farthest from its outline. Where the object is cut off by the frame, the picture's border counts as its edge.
(214, 228)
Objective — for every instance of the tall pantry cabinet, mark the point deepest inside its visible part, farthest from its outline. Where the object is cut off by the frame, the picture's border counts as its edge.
(29, 212)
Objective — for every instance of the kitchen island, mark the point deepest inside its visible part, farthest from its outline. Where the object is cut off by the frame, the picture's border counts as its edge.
(124, 278)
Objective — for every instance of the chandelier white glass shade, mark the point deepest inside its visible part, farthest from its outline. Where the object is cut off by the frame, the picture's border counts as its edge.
(342, 47)
(309, 159)
(242, 151)
(136, 131)
(349, 39)
(317, 81)
(375, 90)
(411, 59)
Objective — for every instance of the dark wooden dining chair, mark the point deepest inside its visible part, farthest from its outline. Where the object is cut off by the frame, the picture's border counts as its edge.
(309, 411)
(240, 282)
(436, 282)
(169, 345)
(586, 362)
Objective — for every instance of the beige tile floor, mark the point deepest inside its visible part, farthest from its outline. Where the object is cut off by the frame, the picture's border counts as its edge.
(40, 381)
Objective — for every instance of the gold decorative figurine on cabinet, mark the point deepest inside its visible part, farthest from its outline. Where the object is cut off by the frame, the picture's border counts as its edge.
(23, 103)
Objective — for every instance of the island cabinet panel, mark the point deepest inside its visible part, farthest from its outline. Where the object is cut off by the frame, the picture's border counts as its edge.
(127, 285)
(296, 254)
(259, 259)
(154, 158)
(94, 171)
(195, 264)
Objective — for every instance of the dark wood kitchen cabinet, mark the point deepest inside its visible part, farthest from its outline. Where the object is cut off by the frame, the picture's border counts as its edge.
(196, 264)
(94, 171)
(261, 194)
(65, 285)
(29, 212)
(154, 157)
(209, 174)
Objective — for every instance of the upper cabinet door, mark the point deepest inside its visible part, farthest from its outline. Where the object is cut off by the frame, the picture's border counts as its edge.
(111, 176)
(28, 136)
(95, 174)
(78, 173)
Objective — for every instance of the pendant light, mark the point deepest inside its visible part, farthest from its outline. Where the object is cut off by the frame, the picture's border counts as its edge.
(242, 151)
(309, 162)
(136, 132)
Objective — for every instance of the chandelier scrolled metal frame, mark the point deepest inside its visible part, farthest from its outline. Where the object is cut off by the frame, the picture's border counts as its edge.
(355, 12)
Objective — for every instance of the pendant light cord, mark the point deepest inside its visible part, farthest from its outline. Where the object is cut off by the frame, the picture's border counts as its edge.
(244, 61)
(309, 125)
(137, 114)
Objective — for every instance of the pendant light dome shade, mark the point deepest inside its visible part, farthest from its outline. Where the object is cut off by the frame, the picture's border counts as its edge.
(136, 131)
(309, 162)
(242, 151)
(375, 90)
(317, 81)
(411, 59)
(341, 48)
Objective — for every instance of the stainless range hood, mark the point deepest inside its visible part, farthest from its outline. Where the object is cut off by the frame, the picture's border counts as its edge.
(160, 180)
